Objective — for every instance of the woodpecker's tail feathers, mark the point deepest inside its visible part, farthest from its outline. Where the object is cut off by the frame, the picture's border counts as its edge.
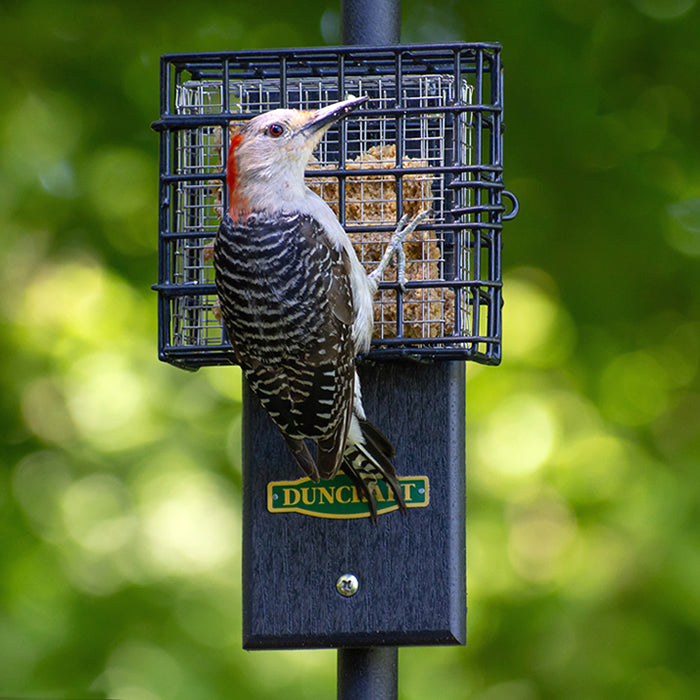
(303, 456)
(367, 462)
(329, 454)
(380, 441)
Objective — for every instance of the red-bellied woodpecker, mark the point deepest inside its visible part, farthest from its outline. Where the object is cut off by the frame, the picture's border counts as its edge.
(295, 300)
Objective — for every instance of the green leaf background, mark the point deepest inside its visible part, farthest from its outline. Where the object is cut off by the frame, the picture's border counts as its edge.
(120, 476)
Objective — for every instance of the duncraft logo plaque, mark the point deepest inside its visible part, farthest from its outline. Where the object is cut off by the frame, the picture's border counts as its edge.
(339, 498)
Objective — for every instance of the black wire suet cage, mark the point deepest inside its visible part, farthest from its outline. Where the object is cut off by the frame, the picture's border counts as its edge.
(429, 137)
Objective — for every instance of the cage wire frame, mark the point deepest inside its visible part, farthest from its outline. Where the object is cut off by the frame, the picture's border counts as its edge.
(430, 136)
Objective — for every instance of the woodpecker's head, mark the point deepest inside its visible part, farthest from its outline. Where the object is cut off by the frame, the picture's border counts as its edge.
(268, 155)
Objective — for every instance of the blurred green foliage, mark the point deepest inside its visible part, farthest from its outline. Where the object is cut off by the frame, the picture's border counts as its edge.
(120, 476)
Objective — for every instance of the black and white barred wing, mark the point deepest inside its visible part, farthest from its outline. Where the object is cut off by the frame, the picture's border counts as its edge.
(287, 307)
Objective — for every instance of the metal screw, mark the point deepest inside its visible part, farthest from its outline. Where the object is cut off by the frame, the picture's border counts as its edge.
(347, 585)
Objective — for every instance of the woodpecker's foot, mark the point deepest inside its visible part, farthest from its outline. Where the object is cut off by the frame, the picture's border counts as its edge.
(396, 245)
(395, 248)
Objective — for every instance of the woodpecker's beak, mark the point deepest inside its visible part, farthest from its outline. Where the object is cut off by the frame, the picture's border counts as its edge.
(326, 116)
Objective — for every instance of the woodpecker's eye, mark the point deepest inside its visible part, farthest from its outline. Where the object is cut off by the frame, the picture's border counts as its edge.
(275, 130)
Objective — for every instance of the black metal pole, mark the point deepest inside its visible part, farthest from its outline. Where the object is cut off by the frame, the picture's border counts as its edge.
(370, 673)
(371, 22)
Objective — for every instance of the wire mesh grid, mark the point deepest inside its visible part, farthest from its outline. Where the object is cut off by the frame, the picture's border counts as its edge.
(429, 137)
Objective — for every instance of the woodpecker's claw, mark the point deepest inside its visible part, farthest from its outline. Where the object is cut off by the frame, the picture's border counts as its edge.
(401, 267)
(395, 248)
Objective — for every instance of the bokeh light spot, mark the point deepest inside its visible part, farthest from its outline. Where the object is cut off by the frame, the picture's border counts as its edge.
(539, 535)
(518, 436)
(664, 9)
(634, 388)
(683, 229)
(142, 671)
(119, 182)
(38, 133)
(38, 482)
(44, 411)
(189, 525)
(106, 399)
(539, 331)
(97, 513)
